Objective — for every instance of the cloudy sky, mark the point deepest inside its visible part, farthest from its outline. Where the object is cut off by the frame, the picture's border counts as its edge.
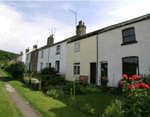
(23, 23)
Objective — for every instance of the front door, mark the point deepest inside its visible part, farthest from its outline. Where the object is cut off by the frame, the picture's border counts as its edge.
(93, 72)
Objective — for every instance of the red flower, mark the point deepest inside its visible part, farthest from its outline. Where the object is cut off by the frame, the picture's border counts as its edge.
(122, 98)
(130, 78)
(136, 77)
(125, 76)
(107, 79)
(137, 86)
(129, 87)
(121, 83)
(131, 94)
(144, 85)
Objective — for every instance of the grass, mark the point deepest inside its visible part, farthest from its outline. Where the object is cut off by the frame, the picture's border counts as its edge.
(97, 101)
(47, 106)
(7, 106)
(6, 75)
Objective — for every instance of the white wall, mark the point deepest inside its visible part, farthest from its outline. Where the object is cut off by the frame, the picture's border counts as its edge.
(110, 49)
(61, 57)
(27, 61)
(43, 60)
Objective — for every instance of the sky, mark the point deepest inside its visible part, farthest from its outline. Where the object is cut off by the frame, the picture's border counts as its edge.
(22, 23)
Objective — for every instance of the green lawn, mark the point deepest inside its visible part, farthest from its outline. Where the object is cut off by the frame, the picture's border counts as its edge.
(47, 106)
(6, 75)
(7, 106)
(97, 101)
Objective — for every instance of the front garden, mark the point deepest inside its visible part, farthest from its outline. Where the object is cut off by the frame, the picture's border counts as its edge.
(56, 95)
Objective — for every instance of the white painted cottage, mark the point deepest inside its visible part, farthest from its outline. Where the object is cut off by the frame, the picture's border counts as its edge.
(124, 48)
(57, 57)
(28, 59)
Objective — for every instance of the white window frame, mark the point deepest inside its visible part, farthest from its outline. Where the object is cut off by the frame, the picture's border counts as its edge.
(77, 65)
(77, 46)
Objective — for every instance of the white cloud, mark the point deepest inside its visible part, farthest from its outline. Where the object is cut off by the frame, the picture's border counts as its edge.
(16, 34)
(133, 11)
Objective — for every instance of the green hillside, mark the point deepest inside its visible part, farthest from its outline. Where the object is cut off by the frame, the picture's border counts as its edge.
(6, 56)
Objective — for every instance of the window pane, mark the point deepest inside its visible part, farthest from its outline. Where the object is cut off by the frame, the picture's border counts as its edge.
(125, 33)
(130, 66)
(131, 31)
(78, 70)
(130, 38)
(74, 69)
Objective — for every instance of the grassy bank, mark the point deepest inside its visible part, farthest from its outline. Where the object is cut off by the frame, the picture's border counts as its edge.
(7, 106)
(47, 106)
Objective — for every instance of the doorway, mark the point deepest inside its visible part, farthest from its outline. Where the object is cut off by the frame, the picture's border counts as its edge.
(93, 73)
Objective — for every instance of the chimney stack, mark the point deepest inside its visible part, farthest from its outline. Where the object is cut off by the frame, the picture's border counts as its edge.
(80, 29)
(27, 50)
(50, 40)
(34, 47)
(21, 53)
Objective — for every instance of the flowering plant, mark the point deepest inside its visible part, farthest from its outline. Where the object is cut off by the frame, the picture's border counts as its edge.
(104, 81)
(135, 97)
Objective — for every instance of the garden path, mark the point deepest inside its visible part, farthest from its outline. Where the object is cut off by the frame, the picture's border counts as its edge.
(23, 106)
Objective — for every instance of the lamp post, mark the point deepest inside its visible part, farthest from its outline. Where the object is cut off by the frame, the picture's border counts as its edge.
(75, 18)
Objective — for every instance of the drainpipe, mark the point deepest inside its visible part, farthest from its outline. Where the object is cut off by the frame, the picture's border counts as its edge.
(97, 62)
(48, 55)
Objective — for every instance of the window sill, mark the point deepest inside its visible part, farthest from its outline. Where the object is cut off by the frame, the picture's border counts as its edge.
(57, 53)
(132, 42)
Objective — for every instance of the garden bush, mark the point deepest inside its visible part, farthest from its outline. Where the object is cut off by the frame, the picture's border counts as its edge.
(113, 110)
(55, 92)
(51, 80)
(136, 101)
(18, 70)
(49, 71)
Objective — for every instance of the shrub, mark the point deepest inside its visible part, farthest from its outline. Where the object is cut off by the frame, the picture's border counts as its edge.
(51, 80)
(78, 88)
(113, 110)
(18, 70)
(104, 81)
(87, 109)
(55, 93)
(135, 97)
(91, 89)
(49, 71)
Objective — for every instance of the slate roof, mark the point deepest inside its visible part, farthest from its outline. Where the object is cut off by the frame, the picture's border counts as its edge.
(138, 19)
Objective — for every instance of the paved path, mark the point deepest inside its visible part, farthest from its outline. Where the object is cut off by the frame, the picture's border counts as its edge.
(23, 106)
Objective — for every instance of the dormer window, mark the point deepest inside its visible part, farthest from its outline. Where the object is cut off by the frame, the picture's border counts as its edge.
(128, 36)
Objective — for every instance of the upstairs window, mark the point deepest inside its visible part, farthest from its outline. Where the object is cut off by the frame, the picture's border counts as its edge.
(42, 54)
(27, 57)
(58, 49)
(128, 36)
(77, 46)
